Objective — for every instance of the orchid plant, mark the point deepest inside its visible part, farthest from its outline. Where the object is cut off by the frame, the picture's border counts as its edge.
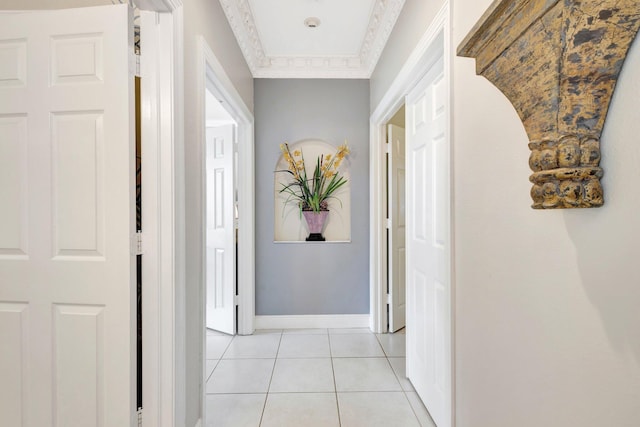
(312, 193)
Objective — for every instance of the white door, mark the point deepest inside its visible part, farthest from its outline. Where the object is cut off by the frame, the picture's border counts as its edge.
(220, 240)
(396, 209)
(67, 217)
(428, 245)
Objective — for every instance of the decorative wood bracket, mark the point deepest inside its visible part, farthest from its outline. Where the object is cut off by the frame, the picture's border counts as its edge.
(557, 61)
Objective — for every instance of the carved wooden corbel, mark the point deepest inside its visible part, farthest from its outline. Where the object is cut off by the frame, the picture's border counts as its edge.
(557, 61)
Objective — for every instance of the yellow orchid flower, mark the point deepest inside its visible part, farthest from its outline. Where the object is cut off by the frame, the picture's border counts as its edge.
(311, 191)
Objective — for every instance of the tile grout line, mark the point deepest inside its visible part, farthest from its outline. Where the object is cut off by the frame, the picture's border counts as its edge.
(386, 356)
(266, 396)
(233, 337)
(404, 392)
(380, 344)
(327, 333)
(335, 387)
(415, 414)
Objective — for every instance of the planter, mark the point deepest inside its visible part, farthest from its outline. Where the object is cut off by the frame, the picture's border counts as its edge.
(315, 224)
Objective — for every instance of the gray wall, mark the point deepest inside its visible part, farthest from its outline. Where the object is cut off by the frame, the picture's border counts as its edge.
(302, 278)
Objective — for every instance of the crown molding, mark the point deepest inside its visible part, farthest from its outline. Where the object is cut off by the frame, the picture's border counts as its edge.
(383, 19)
(241, 20)
(381, 22)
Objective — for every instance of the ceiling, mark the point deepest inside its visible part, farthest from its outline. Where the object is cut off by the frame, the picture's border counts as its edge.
(216, 115)
(346, 44)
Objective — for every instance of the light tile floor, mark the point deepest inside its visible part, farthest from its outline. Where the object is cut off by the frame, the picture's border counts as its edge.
(309, 378)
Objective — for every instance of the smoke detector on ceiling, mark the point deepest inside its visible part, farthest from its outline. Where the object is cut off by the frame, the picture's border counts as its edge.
(312, 22)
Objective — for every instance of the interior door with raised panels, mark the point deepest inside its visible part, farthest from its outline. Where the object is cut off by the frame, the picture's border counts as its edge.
(220, 269)
(428, 245)
(67, 217)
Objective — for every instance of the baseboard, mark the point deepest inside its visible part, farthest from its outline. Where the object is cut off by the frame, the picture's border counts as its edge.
(313, 321)
(198, 423)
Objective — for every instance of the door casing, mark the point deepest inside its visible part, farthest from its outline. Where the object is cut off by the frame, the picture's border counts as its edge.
(163, 261)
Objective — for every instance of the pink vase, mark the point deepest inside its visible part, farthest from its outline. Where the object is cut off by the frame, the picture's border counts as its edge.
(315, 224)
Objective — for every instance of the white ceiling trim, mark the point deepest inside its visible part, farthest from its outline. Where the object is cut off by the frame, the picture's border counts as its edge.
(381, 22)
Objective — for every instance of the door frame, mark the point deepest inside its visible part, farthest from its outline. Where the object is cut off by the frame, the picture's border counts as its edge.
(212, 76)
(434, 43)
(162, 126)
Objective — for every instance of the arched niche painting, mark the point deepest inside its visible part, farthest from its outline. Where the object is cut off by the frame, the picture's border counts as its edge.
(289, 223)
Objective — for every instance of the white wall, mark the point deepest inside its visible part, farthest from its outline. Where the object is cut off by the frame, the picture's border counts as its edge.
(409, 27)
(547, 318)
(206, 18)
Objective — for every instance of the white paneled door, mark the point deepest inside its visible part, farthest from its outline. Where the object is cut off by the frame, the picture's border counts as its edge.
(67, 205)
(220, 240)
(397, 230)
(428, 245)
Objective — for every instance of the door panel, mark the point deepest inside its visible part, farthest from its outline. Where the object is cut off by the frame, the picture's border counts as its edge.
(13, 210)
(78, 336)
(13, 363)
(220, 239)
(78, 151)
(428, 290)
(396, 209)
(67, 275)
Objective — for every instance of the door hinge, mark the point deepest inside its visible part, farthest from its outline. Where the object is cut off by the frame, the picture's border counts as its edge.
(387, 147)
(136, 244)
(388, 298)
(236, 300)
(387, 223)
(134, 64)
(139, 417)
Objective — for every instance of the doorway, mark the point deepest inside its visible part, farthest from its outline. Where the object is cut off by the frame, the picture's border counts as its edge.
(396, 222)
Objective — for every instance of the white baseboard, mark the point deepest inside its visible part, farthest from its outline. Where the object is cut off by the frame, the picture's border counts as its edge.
(313, 321)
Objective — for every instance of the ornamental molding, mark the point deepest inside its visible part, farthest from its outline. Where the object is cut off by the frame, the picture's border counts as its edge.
(557, 61)
(381, 22)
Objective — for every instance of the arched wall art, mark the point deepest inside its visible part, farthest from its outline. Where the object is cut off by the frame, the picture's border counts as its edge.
(289, 223)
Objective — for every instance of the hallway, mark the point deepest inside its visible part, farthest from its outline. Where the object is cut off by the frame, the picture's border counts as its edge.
(310, 377)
